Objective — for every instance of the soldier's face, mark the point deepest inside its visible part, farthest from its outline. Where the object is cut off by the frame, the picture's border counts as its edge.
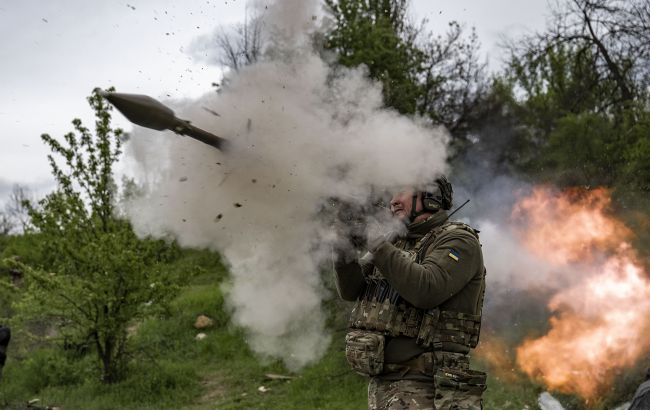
(402, 202)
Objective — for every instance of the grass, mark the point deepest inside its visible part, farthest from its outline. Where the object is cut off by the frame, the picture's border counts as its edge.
(172, 370)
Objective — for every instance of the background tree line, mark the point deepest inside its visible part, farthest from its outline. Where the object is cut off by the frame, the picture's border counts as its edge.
(570, 105)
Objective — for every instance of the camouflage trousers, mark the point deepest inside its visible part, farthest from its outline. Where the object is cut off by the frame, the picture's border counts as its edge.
(413, 394)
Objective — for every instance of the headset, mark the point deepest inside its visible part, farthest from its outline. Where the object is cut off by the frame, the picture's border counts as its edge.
(440, 197)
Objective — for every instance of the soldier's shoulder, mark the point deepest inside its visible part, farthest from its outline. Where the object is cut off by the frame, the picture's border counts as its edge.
(457, 228)
(457, 232)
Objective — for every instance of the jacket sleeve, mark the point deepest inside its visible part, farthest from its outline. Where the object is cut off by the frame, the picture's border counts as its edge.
(350, 281)
(449, 265)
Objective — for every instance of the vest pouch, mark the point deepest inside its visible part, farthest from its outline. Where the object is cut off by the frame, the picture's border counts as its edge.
(365, 352)
(462, 380)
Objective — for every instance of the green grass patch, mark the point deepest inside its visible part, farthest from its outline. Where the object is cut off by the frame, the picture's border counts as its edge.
(170, 369)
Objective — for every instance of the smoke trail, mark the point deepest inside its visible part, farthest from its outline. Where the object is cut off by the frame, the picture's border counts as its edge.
(301, 133)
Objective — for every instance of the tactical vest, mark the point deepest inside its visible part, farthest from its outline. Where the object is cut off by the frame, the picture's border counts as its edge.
(381, 309)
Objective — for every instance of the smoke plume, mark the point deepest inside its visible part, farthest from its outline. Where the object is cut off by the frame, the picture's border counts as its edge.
(301, 133)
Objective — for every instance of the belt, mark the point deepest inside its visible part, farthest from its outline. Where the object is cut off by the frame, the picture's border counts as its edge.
(427, 363)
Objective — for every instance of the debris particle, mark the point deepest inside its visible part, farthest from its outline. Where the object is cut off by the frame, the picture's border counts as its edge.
(184, 220)
(237, 205)
(218, 217)
(211, 111)
(263, 389)
(44, 19)
(182, 179)
(201, 336)
(254, 180)
(218, 163)
(203, 322)
(130, 6)
(272, 376)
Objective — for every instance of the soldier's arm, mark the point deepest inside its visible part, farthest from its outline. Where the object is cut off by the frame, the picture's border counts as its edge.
(350, 281)
(449, 265)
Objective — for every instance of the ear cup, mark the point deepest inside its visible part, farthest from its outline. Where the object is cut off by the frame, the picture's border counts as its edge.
(430, 205)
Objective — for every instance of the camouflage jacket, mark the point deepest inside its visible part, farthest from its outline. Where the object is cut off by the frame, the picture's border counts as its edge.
(450, 276)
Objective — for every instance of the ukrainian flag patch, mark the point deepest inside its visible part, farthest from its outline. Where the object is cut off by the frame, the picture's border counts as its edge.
(453, 254)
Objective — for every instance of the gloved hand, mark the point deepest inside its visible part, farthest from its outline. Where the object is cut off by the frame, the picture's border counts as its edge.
(351, 239)
(376, 240)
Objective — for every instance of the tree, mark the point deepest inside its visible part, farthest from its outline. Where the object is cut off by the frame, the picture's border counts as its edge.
(241, 46)
(453, 82)
(608, 39)
(96, 277)
(579, 93)
(7, 225)
(15, 208)
(436, 77)
(376, 33)
(14, 218)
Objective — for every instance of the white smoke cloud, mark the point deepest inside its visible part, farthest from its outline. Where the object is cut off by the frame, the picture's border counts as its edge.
(300, 134)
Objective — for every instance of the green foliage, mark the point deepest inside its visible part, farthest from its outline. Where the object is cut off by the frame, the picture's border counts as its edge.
(14, 248)
(559, 80)
(635, 167)
(436, 77)
(376, 34)
(94, 277)
(584, 149)
(172, 370)
(47, 368)
(592, 149)
(576, 103)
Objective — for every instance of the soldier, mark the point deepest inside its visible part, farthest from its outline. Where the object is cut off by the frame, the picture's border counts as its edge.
(418, 308)
(5, 335)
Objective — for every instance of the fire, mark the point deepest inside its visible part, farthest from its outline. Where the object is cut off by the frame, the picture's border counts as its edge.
(600, 323)
(569, 227)
(496, 354)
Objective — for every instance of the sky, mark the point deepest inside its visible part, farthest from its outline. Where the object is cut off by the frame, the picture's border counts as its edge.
(53, 53)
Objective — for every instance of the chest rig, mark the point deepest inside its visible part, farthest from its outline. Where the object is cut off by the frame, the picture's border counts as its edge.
(381, 309)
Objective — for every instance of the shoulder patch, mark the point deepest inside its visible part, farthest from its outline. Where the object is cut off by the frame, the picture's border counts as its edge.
(453, 254)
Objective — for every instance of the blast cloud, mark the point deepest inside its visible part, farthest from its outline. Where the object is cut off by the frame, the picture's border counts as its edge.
(301, 133)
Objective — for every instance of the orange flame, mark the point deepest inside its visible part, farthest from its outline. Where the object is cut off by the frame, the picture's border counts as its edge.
(600, 324)
(568, 227)
(496, 354)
